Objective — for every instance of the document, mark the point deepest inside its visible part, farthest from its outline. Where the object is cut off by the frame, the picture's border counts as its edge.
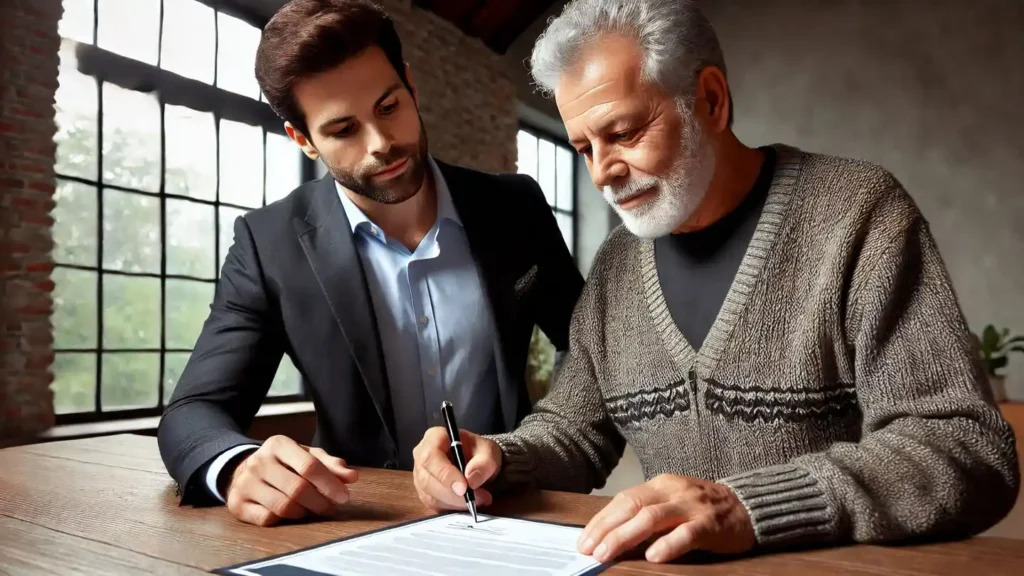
(451, 544)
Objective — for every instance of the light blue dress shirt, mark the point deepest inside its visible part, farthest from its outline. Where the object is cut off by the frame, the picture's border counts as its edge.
(435, 323)
(436, 327)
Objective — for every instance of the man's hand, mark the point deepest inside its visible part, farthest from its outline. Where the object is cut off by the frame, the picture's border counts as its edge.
(439, 483)
(691, 514)
(283, 479)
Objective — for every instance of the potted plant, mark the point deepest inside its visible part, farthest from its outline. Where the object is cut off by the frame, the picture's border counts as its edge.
(995, 348)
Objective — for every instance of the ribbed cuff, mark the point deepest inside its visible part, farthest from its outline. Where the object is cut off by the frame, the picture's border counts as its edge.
(516, 468)
(786, 505)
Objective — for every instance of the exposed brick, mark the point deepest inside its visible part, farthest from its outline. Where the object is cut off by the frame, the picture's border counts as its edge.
(29, 46)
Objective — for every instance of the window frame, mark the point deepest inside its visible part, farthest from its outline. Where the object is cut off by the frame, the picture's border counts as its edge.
(559, 142)
(171, 89)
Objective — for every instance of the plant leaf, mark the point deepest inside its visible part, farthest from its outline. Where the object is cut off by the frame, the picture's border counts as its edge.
(990, 338)
(1014, 340)
(1017, 349)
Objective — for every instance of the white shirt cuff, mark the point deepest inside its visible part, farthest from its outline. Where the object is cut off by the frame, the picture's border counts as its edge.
(213, 472)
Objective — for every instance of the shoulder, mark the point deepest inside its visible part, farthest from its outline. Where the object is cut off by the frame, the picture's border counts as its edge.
(281, 212)
(507, 189)
(860, 190)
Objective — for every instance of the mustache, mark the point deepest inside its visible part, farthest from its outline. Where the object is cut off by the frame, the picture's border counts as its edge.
(379, 163)
(632, 187)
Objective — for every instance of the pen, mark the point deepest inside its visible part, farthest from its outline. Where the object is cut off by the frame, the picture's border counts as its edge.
(460, 458)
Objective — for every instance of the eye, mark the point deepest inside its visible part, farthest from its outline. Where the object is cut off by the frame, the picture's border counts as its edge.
(344, 132)
(388, 108)
(625, 136)
(584, 151)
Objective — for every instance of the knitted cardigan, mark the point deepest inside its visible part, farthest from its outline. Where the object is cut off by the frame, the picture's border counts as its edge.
(838, 393)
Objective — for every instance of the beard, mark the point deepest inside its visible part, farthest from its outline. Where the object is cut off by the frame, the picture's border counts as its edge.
(677, 194)
(395, 190)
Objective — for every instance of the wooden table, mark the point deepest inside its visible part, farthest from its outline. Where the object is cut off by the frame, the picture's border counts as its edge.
(107, 506)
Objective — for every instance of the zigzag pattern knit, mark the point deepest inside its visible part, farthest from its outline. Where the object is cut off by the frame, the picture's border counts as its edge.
(838, 392)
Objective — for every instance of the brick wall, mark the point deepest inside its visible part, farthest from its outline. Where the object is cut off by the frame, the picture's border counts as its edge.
(28, 80)
(467, 99)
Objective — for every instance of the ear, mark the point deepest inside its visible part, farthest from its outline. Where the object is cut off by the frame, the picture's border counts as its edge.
(304, 143)
(713, 98)
(412, 84)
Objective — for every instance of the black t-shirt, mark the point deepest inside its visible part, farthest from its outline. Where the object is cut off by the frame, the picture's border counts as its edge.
(696, 269)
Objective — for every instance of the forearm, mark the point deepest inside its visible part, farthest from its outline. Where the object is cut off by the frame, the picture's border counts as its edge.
(948, 470)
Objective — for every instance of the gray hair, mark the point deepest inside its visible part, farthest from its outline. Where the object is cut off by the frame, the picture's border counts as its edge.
(676, 40)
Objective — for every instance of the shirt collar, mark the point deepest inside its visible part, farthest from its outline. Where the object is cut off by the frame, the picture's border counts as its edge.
(445, 207)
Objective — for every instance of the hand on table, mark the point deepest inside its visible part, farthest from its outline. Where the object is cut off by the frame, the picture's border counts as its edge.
(690, 514)
(439, 483)
(284, 479)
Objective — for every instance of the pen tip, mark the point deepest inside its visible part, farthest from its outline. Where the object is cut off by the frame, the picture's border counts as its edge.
(472, 510)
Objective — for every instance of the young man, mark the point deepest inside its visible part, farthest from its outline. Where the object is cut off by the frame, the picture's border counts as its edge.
(773, 331)
(394, 283)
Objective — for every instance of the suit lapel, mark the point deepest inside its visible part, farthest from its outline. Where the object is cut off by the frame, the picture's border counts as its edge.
(468, 193)
(326, 238)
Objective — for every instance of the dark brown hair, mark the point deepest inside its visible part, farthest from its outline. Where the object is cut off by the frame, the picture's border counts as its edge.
(307, 37)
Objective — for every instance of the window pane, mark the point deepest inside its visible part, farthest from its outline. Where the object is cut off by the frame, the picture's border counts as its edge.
(241, 164)
(188, 40)
(546, 164)
(131, 138)
(565, 224)
(284, 166)
(74, 224)
(188, 305)
(130, 28)
(174, 365)
(131, 312)
(191, 140)
(74, 308)
(190, 239)
(74, 382)
(131, 232)
(287, 381)
(130, 380)
(77, 21)
(527, 160)
(563, 171)
(76, 117)
(236, 56)
(227, 231)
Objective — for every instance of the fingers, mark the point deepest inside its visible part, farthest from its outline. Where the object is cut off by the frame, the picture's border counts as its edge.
(650, 520)
(624, 506)
(686, 537)
(278, 503)
(296, 488)
(336, 465)
(484, 460)
(434, 462)
(434, 494)
(290, 454)
(253, 513)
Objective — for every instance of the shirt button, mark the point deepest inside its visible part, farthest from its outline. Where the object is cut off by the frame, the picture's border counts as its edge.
(424, 320)
(432, 372)
(373, 230)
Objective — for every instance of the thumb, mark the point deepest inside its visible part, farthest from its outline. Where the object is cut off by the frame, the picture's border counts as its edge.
(484, 461)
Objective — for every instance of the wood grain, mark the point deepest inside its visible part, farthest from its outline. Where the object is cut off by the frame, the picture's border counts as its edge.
(29, 549)
(110, 502)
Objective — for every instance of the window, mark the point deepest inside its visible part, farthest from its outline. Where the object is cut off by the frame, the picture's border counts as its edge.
(162, 141)
(552, 164)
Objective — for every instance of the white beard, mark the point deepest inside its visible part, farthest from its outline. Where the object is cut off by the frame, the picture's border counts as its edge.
(677, 194)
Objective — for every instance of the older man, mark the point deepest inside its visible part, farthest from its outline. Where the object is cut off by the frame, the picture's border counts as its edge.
(773, 331)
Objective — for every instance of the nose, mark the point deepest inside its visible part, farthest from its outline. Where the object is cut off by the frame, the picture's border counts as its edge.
(606, 167)
(378, 141)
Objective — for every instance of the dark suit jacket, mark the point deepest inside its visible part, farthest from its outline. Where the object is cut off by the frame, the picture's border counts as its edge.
(292, 283)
